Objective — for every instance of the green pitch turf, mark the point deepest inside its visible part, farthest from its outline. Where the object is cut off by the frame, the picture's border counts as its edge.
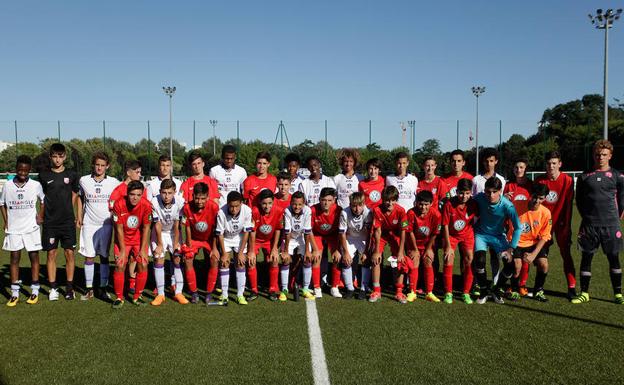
(267, 343)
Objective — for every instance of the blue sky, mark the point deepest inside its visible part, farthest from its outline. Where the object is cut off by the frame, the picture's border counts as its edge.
(302, 62)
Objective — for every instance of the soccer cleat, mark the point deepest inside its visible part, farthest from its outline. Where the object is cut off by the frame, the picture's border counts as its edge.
(539, 296)
(70, 295)
(448, 298)
(497, 296)
(318, 293)
(194, 297)
(411, 296)
(420, 292)
(252, 296)
(241, 300)
(102, 294)
(283, 296)
(374, 297)
(33, 299)
(482, 299)
(12, 301)
(361, 295)
(273, 297)
(581, 298)
(432, 298)
(348, 294)
(87, 296)
(53, 295)
(181, 299)
(159, 300)
(466, 298)
(514, 295)
(619, 299)
(571, 293)
(118, 303)
(523, 291)
(476, 290)
(138, 301)
(131, 291)
(400, 297)
(307, 294)
(335, 292)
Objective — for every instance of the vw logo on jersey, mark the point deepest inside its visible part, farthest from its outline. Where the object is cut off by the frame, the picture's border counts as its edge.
(424, 230)
(459, 225)
(552, 196)
(375, 196)
(525, 227)
(132, 222)
(434, 190)
(521, 197)
(266, 229)
(201, 226)
(325, 227)
(394, 222)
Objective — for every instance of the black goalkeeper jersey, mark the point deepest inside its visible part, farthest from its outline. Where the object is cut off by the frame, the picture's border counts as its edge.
(58, 188)
(600, 197)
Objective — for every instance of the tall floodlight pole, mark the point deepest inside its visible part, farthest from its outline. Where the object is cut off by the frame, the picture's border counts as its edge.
(477, 91)
(169, 91)
(604, 20)
(213, 123)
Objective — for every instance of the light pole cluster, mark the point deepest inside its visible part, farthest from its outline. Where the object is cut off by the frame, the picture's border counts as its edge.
(169, 91)
(213, 123)
(477, 91)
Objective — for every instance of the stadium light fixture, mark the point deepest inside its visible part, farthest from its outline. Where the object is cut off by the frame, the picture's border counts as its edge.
(213, 123)
(477, 91)
(169, 91)
(604, 20)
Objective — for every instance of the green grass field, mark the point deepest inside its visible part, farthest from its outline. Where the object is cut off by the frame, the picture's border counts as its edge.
(267, 343)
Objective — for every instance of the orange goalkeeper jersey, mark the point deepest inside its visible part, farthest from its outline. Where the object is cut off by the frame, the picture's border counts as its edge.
(536, 224)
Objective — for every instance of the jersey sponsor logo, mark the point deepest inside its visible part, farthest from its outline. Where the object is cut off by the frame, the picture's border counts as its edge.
(521, 197)
(325, 227)
(132, 222)
(201, 226)
(266, 229)
(552, 196)
(374, 196)
(394, 222)
(459, 225)
(536, 223)
(434, 190)
(424, 230)
(525, 227)
(453, 191)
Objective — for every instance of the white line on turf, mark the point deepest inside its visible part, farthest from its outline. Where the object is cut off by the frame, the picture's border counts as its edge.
(319, 365)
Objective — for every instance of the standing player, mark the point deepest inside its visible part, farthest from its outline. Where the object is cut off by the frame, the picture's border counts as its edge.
(293, 162)
(166, 212)
(196, 164)
(325, 221)
(311, 187)
(298, 230)
(489, 160)
(234, 223)
(406, 184)
(389, 226)
(458, 161)
(458, 214)
(132, 216)
(260, 180)
(373, 185)
(433, 183)
(60, 187)
(18, 205)
(600, 201)
(95, 221)
(283, 196)
(355, 226)
(165, 171)
(347, 182)
(559, 202)
(228, 174)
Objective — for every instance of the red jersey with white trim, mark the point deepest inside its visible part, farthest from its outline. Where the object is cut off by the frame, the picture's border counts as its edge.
(372, 191)
(265, 225)
(325, 224)
(201, 222)
(424, 228)
(519, 191)
(132, 220)
(437, 187)
(391, 223)
(283, 204)
(459, 218)
(451, 181)
(189, 183)
(121, 191)
(253, 185)
(559, 198)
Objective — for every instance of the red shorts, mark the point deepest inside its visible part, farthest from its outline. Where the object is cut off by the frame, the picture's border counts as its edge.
(132, 250)
(406, 265)
(563, 234)
(196, 246)
(264, 246)
(329, 241)
(394, 245)
(465, 242)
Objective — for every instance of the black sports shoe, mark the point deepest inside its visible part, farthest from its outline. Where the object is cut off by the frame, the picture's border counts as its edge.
(361, 295)
(497, 296)
(195, 297)
(347, 294)
(252, 296)
(273, 297)
(69, 294)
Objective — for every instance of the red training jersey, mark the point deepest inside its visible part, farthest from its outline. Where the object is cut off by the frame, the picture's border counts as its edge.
(283, 204)
(265, 225)
(391, 223)
(438, 188)
(120, 192)
(187, 188)
(325, 224)
(133, 219)
(559, 199)
(253, 185)
(459, 218)
(451, 181)
(424, 228)
(519, 191)
(372, 191)
(201, 222)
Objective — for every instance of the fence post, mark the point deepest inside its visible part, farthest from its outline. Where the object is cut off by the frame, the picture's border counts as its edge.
(370, 132)
(457, 136)
(58, 126)
(104, 132)
(193, 134)
(149, 149)
(326, 137)
(237, 135)
(16, 149)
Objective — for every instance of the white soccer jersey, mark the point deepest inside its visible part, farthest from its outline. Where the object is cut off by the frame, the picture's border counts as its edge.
(228, 180)
(232, 228)
(407, 186)
(312, 189)
(357, 228)
(166, 215)
(298, 225)
(95, 196)
(21, 205)
(478, 183)
(294, 184)
(153, 187)
(345, 186)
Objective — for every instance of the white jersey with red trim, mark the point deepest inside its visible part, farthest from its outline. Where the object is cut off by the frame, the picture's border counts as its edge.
(345, 186)
(407, 186)
(21, 205)
(232, 228)
(228, 180)
(312, 189)
(95, 196)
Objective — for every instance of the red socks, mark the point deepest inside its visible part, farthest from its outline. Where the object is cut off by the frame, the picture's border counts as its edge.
(524, 273)
(468, 278)
(335, 275)
(191, 280)
(212, 279)
(118, 284)
(448, 278)
(252, 274)
(429, 278)
(316, 277)
(273, 276)
(141, 280)
(413, 279)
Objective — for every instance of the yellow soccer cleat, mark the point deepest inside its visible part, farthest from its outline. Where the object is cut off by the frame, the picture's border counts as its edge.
(159, 300)
(33, 299)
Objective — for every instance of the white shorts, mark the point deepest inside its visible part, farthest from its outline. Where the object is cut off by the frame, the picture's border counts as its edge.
(356, 246)
(16, 242)
(167, 243)
(233, 245)
(296, 245)
(95, 241)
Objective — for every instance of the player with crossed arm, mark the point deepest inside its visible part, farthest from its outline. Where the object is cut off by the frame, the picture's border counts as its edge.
(348, 180)
(311, 187)
(165, 171)
(405, 183)
(229, 175)
(457, 162)
(373, 184)
(293, 162)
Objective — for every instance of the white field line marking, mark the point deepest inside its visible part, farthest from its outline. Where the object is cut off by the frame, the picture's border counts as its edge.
(319, 365)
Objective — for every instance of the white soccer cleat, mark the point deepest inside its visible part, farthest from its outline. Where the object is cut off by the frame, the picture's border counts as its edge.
(335, 292)
(318, 293)
(54, 295)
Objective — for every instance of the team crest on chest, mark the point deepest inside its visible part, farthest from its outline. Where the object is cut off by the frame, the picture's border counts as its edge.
(459, 224)
(375, 196)
(132, 222)
(325, 227)
(552, 196)
(525, 227)
(266, 229)
(424, 230)
(201, 226)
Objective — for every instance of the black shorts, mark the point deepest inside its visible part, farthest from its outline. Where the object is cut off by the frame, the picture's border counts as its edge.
(518, 252)
(52, 236)
(608, 237)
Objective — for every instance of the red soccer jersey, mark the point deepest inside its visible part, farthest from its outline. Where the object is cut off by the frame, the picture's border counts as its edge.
(253, 185)
(187, 188)
(325, 224)
(390, 223)
(459, 219)
(519, 191)
(266, 225)
(438, 188)
(559, 199)
(424, 228)
(283, 204)
(120, 192)
(132, 220)
(201, 222)
(372, 191)
(451, 182)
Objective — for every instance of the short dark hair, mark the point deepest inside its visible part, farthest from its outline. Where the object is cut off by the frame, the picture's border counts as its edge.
(464, 184)
(193, 156)
(292, 157)
(264, 194)
(539, 190)
(552, 155)
(100, 155)
(522, 159)
(298, 195)
(263, 155)
(167, 184)
(424, 196)
(489, 152)
(23, 159)
(457, 152)
(164, 158)
(311, 158)
(234, 196)
(283, 175)
(135, 185)
(493, 183)
(325, 191)
(373, 162)
(428, 157)
(228, 149)
(401, 155)
(200, 188)
(131, 164)
(389, 193)
(57, 148)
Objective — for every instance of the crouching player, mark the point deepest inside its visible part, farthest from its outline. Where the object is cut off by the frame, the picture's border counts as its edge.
(166, 211)
(268, 221)
(132, 216)
(354, 228)
(199, 219)
(234, 223)
(389, 226)
(458, 213)
(536, 225)
(325, 221)
(424, 227)
(18, 204)
(298, 230)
